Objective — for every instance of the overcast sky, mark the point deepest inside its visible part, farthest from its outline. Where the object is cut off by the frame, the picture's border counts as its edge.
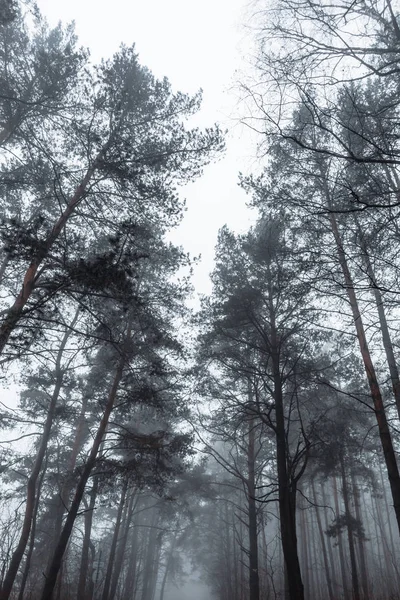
(196, 44)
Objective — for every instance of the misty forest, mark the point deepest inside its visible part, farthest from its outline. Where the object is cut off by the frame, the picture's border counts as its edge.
(162, 444)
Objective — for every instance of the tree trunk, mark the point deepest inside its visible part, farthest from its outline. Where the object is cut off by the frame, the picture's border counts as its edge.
(386, 339)
(31, 547)
(391, 567)
(353, 564)
(393, 552)
(64, 497)
(73, 511)
(151, 547)
(286, 487)
(340, 542)
(383, 426)
(167, 565)
(329, 544)
(254, 584)
(111, 558)
(122, 546)
(130, 579)
(287, 506)
(84, 565)
(32, 481)
(323, 543)
(361, 541)
(305, 546)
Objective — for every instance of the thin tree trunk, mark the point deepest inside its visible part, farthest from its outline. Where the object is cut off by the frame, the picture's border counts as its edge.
(122, 546)
(32, 481)
(361, 547)
(323, 543)
(64, 497)
(31, 547)
(264, 587)
(379, 545)
(383, 426)
(155, 566)
(353, 564)
(386, 339)
(88, 520)
(316, 564)
(130, 579)
(168, 565)
(305, 551)
(254, 584)
(388, 512)
(227, 552)
(340, 542)
(3, 266)
(391, 567)
(329, 544)
(286, 487)
(73, 511)
(149, 556)
(111, 558)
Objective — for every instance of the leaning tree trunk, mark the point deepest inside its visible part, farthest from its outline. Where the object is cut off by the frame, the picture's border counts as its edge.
(80, 489)
(379, 409)
(33, 478)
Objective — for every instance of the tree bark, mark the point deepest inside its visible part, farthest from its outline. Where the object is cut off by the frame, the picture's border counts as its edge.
(73, 511)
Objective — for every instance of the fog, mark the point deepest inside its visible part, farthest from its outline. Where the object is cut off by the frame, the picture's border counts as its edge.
(184, 428)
